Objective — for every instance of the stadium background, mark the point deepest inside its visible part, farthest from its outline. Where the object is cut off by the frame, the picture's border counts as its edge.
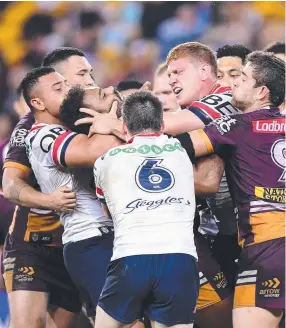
(122, 40)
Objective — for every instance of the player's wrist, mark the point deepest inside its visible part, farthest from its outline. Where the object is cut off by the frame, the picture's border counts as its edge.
(116, 129)
(46, 201)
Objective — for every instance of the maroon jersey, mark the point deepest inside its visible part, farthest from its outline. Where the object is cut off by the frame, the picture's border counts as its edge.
(253, 147)
(30, 225)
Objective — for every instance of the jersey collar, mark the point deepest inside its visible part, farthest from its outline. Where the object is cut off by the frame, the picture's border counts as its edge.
(37, 126)
(158, 134)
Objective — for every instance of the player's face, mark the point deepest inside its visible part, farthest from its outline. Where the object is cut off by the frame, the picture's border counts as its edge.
(244, 93)
(101, 99)
(164, 92)
(77, 71)
(185, 80)
(50, 92)
(228, 69)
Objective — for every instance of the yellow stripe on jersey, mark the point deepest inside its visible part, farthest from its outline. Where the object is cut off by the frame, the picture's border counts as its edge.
(206, 141)
(15, 165)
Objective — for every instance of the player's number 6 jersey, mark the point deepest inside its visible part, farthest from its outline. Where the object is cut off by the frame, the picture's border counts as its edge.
(148, 187)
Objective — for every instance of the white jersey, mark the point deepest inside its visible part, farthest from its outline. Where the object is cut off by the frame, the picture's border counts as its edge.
(46, 146)
(148, 186)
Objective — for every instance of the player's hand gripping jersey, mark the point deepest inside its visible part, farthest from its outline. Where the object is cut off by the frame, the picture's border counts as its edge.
(148, 186)
(253, 146)
(46, 147)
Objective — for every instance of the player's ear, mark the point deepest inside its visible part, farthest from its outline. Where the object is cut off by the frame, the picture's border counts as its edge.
(124, 129)
(263, 93)
(162, 127)
(205, 71)
(37, 104)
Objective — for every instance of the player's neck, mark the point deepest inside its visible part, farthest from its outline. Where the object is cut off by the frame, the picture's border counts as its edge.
(207, 87)
(46, 118)
(257, 106)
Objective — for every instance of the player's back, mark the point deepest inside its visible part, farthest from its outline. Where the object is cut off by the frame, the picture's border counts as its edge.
(148, 187)
(45, 147)
(254, 146)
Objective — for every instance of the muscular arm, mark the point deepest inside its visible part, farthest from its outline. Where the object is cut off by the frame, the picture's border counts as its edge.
(207, 175)
(18, 191)
(181, 121)
(83, 151)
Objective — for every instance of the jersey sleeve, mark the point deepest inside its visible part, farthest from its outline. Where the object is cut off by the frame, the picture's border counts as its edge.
(212, 107)
(222, 135)
(16, 155)
(98, 177)
(59, 147)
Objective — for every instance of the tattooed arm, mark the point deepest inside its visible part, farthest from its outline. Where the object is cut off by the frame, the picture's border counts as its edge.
(18, 191)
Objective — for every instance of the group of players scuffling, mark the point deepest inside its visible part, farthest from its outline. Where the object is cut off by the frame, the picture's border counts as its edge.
(149, 206)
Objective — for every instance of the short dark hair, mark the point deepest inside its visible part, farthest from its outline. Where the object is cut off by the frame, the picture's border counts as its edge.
(30, 81)
(69, 110)
(142, 111)
(234, 50)
(128, 84)
(269, 70)
(61, 54)
(275, 47)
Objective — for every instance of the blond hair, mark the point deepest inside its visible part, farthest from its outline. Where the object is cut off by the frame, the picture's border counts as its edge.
(194, 50)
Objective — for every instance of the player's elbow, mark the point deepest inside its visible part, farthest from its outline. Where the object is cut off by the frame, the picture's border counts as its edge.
(207, 187)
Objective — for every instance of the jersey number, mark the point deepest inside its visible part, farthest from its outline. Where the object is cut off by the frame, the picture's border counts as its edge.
(278, 155)
(151, 177)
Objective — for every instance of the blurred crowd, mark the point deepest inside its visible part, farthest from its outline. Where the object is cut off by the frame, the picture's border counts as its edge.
(122, 40)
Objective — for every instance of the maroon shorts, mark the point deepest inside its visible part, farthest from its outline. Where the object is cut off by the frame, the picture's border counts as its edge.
(40, 268)
(261, 276)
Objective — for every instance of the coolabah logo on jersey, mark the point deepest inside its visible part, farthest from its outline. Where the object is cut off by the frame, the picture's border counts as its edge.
(269, 126)
(224, 124)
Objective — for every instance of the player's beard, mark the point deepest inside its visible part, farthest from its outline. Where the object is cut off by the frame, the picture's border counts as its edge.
(241, 104)
(69, 110)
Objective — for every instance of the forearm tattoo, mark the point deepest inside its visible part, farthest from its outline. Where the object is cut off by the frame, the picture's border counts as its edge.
(15, 190)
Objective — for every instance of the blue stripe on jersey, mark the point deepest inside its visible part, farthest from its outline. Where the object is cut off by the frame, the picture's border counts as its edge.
(64, 148)
(200, 114)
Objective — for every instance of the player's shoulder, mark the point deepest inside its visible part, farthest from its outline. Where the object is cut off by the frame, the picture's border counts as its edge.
(26, 121)
(44, 135)
(21, 130)
(221, 90)
(228, 123)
